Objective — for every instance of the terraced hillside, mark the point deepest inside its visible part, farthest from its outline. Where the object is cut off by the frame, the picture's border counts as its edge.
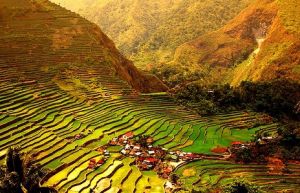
(54, 90)
(43, 119)
(41, 35)
(209, 174)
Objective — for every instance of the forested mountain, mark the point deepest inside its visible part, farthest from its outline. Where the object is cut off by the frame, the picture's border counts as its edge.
(148, 31)
(260, 44)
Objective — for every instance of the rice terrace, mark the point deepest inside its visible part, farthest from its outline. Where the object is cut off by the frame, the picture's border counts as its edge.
(77, 116)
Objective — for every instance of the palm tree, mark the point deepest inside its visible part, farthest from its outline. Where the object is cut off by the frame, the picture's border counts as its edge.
(21, 174)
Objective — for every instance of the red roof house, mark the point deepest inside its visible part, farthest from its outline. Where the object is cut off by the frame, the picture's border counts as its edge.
(91, 166)
(128, 135)
(101, 161)
(151, 160)
(236, 143)
(93, 161)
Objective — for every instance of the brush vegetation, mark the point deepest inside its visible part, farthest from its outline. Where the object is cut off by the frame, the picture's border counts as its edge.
(260, 44)
(148, 31)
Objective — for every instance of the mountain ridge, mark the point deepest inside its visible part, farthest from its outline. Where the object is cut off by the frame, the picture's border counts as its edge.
(254, 46)
(149, 31)
(46, 40)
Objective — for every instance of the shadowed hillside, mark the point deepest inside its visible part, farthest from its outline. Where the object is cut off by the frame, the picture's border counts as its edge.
(261, 43)
(45, 37)
(148, 31)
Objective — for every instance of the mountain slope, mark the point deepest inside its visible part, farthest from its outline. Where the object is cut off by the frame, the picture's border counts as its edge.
(261, 43)
(42, 35)
(62, 102)
(148, 31)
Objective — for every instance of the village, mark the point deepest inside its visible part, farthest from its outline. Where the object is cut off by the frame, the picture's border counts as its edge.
(150, 157)
(147, 156)
(158, 159)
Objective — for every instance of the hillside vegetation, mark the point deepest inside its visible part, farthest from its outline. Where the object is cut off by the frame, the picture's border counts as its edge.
(54, 40)
(148, 31)
(260, 44)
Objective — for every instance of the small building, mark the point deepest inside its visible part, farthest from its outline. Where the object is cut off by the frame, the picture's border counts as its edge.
(100, 162)
(124, 152)
(137, 147)
(181, 154)
(151, 152)
(127, 147)
(92, 164)
(236, 144)
(139, 159)
(190, 156)
(168, 170)
(114, 141)
(101, 150)
(150, 140)
(132, 152)
(151, 160)
(92, 160)
(77, 136)
(169, 185)
(127, 135)
(267, 138)
(106, 153)
(143, 166)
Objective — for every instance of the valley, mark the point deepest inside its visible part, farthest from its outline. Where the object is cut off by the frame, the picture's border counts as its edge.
(43, 119)
(149, 31)
(67, 92)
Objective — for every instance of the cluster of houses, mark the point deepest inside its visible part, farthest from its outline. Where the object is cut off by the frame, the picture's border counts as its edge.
(93, 164)
(264, 140)
(184, 156)
(82, 135)
(236, 145)
(79, 136)
(103, 151)
(164, 169)
(149, 157)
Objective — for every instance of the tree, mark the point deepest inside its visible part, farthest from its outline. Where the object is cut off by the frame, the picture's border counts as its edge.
(21, 172)
(11, 183)
(244, 155)
(241, 186)
(143, 140)
(14, 162)
(174, 178)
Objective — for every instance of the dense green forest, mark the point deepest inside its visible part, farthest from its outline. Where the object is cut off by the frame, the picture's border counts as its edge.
(278, 98)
